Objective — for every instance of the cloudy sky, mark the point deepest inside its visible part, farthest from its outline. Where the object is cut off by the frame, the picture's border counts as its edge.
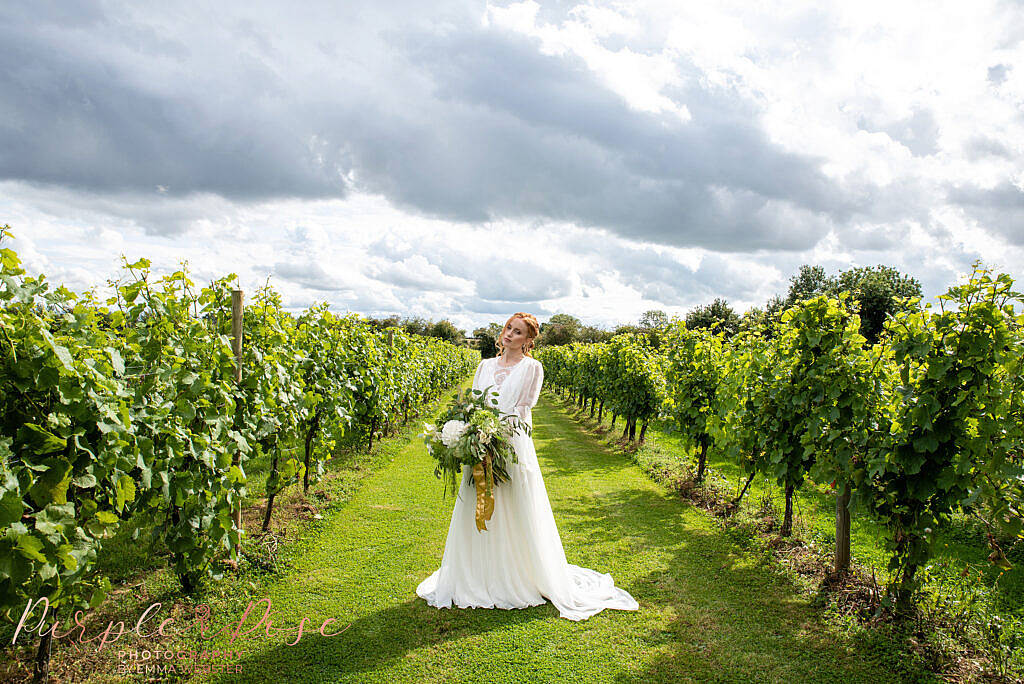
(464, 160)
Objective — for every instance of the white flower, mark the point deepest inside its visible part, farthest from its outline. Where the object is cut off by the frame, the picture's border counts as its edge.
(451, 432)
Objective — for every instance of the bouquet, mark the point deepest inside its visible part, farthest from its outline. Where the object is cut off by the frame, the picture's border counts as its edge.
(475, 433)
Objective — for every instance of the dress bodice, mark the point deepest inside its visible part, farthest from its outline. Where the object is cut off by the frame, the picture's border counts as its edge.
(516, 387)
(502, 372)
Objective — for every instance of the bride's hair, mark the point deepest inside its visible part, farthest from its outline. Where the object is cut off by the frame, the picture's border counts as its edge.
(532, 330)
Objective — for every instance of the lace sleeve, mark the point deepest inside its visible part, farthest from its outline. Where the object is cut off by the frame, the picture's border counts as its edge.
(530, 392)
(479, 372)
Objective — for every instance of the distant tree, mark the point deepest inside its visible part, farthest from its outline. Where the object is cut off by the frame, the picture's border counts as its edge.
(645, 336)
(655, 318)
(753, 320)
(653, 325)
(556, 334)
(810, 281)
(392, 321)
(774, 307)
(878, 289)
(718, 312)
(559, 329)
(416, 326)
(650, 336)
(589, 334)
(488, 336)
(446, 330)
(571, 323)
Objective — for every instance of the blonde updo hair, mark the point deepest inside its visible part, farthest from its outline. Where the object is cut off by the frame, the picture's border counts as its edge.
(532, 330)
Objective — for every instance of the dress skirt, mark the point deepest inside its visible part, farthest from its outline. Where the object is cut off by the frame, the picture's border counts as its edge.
(518, 561)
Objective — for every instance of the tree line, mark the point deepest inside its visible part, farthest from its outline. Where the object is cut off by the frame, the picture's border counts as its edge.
(882, 292)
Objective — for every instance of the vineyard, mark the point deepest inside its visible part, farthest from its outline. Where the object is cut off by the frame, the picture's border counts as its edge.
(162, 409)
(148, 409)
(924, 425)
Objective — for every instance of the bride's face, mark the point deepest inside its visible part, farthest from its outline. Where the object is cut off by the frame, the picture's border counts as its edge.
(514, 335)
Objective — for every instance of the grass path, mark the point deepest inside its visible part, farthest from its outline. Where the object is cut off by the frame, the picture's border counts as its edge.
(708, 611)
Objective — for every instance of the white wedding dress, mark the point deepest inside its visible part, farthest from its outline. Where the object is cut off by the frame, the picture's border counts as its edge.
(518, 561)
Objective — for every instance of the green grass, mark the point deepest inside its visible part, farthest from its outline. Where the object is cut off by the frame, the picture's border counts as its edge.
(713, 608)
(141, 573)
(709, 611)
(961, 543)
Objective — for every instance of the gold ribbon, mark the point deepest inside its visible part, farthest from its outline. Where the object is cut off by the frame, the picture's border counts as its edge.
(484, 478)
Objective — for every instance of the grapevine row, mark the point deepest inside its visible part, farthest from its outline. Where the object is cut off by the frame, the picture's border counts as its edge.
(130, 412)
(924, 423)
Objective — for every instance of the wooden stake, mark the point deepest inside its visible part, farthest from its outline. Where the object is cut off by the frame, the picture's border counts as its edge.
(843, 532)
(236, 331)
(236, 347)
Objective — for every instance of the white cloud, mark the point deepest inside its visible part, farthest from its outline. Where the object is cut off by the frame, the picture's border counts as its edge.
(604, 158)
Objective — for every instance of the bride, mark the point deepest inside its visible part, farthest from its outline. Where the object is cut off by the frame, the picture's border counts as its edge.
(518, 561)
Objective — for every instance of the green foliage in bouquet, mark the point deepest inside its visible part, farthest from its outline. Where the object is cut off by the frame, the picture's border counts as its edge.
(471, 430)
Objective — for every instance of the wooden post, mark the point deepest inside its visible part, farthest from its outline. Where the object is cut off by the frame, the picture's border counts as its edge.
(388, 424)
(702, 460)
(236, 347)
(236, 331)
(787, 518)
(842, 563)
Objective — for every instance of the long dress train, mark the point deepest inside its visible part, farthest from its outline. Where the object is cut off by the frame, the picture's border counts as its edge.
(518, 561)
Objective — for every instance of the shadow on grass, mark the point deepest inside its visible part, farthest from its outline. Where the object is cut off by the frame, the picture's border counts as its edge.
(576, 452)
(727, 616)
(735, 617)
(374, 640)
